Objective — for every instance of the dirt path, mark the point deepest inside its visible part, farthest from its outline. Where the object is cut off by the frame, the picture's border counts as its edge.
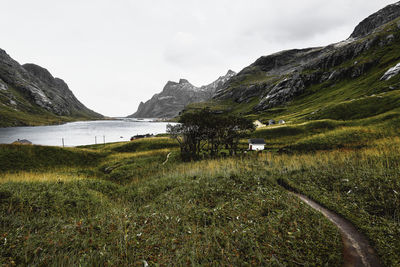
(357, 251)
(169, 154)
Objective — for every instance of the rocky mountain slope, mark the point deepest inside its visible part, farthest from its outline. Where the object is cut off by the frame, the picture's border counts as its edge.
(175, 96)
(311, 81)
(30, 95)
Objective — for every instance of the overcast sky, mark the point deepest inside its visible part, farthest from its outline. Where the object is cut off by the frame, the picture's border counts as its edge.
(115, 53)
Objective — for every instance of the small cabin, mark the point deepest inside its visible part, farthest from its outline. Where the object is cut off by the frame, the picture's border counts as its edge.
(256, 144)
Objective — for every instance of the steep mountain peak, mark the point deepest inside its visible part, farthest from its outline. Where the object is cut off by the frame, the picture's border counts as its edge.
(376, 20)
(182, 81)
(170, 83)
(173, 87)
(230, 73)
(175, 96)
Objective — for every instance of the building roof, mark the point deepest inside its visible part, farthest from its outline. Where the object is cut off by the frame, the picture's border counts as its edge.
(257, 141)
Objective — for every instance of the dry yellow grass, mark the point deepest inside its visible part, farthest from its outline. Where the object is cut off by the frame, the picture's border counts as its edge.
(121, 156)
(50, 176)
(381, 149)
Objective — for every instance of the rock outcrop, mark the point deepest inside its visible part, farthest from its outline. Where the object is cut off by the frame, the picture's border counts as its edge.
(279, 78)
(175, 96)
(32, 89)
(373, 22)
(391, 73)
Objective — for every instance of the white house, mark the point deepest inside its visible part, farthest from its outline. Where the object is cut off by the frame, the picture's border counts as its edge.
(256, 144)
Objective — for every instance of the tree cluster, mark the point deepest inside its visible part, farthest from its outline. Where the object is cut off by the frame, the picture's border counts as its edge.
(206, 133)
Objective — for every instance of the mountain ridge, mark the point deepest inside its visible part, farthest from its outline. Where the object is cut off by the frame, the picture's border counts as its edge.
(175, 96)
(372, 22)
(275, 80)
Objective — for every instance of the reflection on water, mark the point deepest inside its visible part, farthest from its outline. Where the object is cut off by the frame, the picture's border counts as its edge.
(82, 132)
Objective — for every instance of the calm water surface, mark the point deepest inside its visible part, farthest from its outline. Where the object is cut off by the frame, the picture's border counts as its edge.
(82, 132)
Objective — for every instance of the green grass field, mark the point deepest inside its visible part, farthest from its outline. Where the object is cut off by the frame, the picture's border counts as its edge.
(123, 208)
(119, 204)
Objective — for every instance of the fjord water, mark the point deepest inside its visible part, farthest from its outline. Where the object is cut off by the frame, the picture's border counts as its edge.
(82, 132)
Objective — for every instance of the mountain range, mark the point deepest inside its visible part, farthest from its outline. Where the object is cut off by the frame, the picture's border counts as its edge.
(351, 79)
(354, 78)
(175, 96)
(317, 79)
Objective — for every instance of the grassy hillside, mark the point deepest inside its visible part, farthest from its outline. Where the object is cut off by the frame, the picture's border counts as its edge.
(23, 112)
(10, 117)
(27, 157)
(132, 208)
(97, 205)
(348, 100)
(26, 114)
(363, 187)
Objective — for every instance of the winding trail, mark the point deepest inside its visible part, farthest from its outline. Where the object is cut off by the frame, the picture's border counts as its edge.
(169, 154)
(357, 251)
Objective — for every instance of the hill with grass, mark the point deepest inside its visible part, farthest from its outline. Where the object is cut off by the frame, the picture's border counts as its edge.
(30, 95)
(125, 204)
(352, 79)
(175, 96)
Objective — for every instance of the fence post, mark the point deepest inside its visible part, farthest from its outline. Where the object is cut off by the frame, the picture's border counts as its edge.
(63, 141)
(104, 140)
(95, 140)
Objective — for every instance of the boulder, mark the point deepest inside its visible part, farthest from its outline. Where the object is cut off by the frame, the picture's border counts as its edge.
(22, 142)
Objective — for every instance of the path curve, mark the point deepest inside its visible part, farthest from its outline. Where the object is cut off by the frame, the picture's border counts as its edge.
(357, 251)
(169, 154)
